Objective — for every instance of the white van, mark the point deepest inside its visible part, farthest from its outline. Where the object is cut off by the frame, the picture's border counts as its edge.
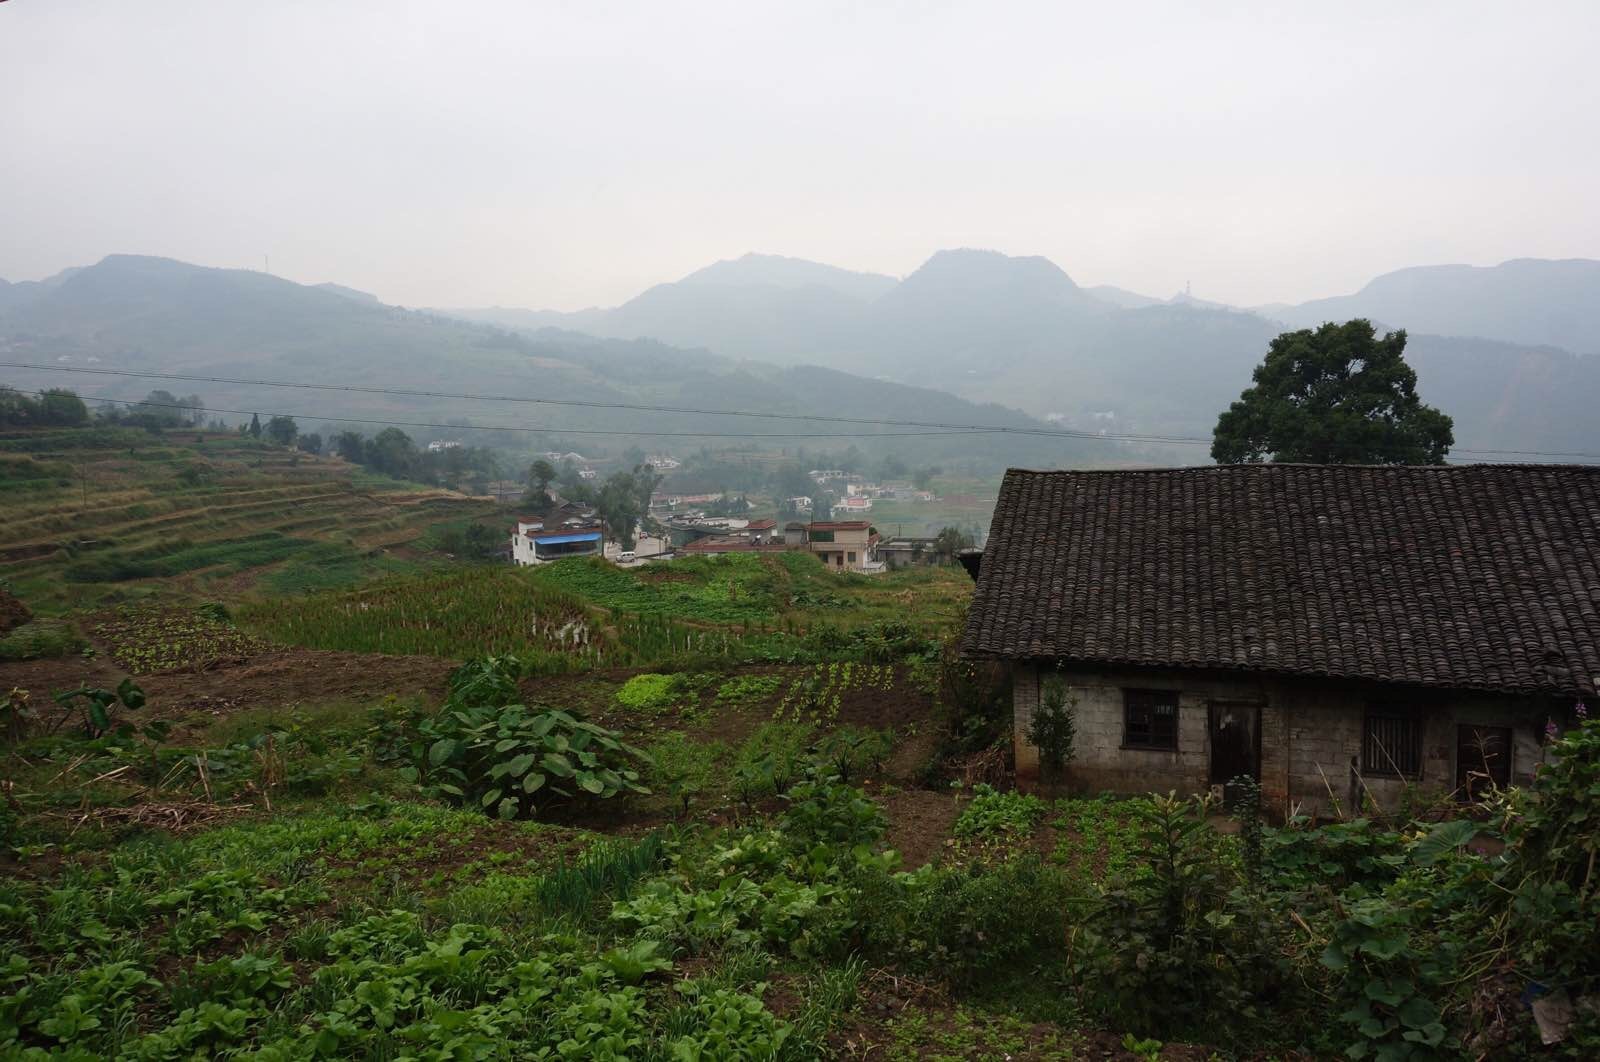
(627, 556)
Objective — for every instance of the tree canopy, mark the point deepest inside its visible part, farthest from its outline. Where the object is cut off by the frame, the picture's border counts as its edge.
(1335, 395)
(53, 408)
(282, 430)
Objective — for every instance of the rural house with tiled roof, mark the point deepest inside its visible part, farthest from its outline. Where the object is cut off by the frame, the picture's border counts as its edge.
(1338, 632)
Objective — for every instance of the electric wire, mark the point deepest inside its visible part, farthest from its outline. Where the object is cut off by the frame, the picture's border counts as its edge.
(936, 427)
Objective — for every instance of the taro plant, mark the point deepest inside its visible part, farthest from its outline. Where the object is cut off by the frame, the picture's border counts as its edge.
(499, 756)
(102, 707)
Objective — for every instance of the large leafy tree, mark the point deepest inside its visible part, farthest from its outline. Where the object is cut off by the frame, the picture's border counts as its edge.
(282, 430)
(623, 501)
(950, 541)
(1337, 395)
(392, 452)
(537, 497)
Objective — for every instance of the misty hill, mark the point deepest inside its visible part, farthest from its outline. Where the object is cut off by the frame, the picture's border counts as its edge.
(1019, 332)
(1132, 300)
(1526, 300)
(756, 306)
(1122, 297)
(140, 313)
(349, 293)
(777, 271)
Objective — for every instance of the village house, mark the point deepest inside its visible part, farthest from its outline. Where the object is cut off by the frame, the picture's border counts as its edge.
(844, 545)
(847, 507)
(539, 540)
(840, 545)
(669, 500)
(1340, 633)
(906, 551)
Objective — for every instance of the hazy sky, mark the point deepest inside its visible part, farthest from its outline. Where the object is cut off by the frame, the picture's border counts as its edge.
(457, 152)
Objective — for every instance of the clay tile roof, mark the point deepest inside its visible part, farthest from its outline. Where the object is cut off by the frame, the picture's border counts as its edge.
(1476, 577)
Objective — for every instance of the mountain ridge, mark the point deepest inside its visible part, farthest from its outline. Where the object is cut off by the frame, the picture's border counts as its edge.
(1019, 331)
(136, 313)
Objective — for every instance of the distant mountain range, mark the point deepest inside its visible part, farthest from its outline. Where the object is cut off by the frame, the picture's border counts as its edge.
(1504, 349)
(970, 337)
(1526, 300)
(154, 314)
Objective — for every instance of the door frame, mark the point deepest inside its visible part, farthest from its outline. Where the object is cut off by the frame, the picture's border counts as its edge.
(1254, 707)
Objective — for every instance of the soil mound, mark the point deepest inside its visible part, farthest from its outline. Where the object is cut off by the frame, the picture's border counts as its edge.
(13, 613)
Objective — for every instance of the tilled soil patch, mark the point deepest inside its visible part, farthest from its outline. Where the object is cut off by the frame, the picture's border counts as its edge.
(273, 679)
(920, 822)
(13, 613)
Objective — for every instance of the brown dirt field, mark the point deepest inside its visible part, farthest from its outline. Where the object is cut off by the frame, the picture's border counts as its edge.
(273, 679)
(920, 822)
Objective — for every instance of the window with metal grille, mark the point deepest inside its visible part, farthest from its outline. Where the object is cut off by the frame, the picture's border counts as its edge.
(1150, 719)
(1391, 744)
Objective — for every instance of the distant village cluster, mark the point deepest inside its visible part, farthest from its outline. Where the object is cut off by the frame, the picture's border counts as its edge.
(680, 526)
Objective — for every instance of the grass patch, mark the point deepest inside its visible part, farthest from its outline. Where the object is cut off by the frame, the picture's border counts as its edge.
(182, 555)
(455, 614)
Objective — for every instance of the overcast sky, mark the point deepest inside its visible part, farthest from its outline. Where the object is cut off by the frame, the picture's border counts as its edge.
(469, 152)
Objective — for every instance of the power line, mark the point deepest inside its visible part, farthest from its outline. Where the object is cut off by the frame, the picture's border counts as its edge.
(943, 428)
(520, 427)
(1068, 433)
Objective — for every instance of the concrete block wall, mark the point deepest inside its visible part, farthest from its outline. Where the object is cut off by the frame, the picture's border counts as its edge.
(1101, 762)
(1310, 742)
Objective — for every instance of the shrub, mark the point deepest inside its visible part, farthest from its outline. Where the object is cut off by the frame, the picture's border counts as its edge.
(963, 925)
(828, 812)
(1178, 945)
(1053, 729)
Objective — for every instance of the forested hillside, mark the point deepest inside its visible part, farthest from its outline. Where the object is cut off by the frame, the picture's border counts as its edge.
(148, 314)
(1020, 332)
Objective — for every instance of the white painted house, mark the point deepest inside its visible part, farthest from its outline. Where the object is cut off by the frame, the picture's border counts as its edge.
(532, 543)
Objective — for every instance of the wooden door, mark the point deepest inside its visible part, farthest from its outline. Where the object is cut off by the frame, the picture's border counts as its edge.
(1235, 732)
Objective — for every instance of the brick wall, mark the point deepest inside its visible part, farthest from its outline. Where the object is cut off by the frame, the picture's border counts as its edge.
(1310, 742)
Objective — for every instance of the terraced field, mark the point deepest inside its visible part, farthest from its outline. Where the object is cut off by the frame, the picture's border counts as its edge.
(97, 517)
